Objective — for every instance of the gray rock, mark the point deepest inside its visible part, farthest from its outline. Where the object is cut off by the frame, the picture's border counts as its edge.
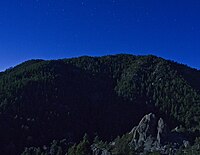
(152, 134)
(161, 131)
(186, 143)
(99, 151)
(145, 133)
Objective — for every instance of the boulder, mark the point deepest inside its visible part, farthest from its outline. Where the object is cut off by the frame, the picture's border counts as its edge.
(99, 151)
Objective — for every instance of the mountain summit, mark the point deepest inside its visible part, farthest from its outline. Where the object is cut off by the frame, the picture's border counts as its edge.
(46, 100)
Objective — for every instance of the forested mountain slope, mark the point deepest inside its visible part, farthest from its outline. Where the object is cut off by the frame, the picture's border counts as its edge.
(45, 100)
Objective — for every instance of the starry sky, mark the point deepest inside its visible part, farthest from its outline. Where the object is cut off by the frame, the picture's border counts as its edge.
(53, 29)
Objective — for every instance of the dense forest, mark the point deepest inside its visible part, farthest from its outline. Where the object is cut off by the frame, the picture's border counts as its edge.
(46, 107)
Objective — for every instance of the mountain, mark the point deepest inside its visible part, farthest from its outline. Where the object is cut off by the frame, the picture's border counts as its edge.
(106, 96)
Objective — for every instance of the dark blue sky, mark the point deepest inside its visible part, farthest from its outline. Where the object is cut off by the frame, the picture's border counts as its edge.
(52, 29)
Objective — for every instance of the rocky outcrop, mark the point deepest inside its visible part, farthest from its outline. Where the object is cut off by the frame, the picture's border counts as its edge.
(152, 134)
(145, 133)
(149, 132)
(161, 131)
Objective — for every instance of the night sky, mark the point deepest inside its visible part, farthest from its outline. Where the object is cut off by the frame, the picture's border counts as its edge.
(53, 29)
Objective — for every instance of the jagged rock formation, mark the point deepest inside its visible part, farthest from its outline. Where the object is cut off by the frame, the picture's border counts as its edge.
(145, 133)
(152, 134)
(162, 131)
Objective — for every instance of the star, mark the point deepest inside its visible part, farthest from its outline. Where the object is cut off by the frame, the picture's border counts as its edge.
(82, 3)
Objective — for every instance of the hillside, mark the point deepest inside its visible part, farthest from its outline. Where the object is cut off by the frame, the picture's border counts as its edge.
(106, 96)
